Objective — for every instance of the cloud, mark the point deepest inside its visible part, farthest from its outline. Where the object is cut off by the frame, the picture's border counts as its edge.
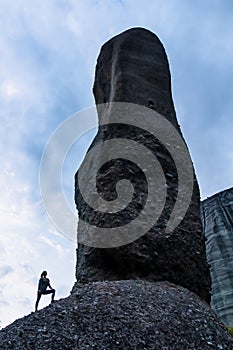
(5, 270)
(24, 252)
(4, 303)
(31, 248)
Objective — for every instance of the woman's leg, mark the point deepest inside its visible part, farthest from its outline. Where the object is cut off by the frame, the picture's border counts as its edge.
(50, 291)
(53, 295)
(37, 300)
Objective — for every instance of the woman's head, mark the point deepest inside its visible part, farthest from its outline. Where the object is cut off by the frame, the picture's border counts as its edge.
(44, 274)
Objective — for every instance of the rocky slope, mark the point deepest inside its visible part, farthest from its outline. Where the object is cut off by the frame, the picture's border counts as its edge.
(133, 315)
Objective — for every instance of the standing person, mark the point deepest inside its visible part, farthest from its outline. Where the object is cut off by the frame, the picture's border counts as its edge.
(42, 288)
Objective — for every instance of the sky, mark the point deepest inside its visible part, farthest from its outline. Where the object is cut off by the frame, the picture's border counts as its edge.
(48, 56)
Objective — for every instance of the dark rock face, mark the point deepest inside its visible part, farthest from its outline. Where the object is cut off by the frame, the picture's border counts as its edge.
(121, 315)
(217, 216)
(132, 67)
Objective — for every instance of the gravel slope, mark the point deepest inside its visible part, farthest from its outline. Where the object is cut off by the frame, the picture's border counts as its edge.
(120, 315)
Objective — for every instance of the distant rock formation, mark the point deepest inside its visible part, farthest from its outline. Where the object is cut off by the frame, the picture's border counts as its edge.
(132, 67)
(217, 216)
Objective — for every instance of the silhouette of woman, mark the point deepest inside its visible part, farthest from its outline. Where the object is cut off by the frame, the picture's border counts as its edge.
(42, 288)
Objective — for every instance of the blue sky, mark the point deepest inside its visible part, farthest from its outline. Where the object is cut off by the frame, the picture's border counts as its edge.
(48, 56)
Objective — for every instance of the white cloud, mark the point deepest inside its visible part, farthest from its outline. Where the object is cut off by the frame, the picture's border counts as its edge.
(5, 270)
(29, 249)
(25, 234)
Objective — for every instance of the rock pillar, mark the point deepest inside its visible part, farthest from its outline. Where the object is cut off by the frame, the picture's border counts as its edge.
(133, 68)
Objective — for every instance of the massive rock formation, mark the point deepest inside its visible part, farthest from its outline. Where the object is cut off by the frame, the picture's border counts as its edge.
(217, 216)
(133, 68)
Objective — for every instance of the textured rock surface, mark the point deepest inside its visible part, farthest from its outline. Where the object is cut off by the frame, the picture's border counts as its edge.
(217, 215)
(121, 315)
(133, 67)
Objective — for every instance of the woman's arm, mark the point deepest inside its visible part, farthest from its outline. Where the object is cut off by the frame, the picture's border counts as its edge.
(49, 285)
(39, 285)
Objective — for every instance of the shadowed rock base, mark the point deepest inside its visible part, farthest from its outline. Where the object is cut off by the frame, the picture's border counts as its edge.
(121, 315)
